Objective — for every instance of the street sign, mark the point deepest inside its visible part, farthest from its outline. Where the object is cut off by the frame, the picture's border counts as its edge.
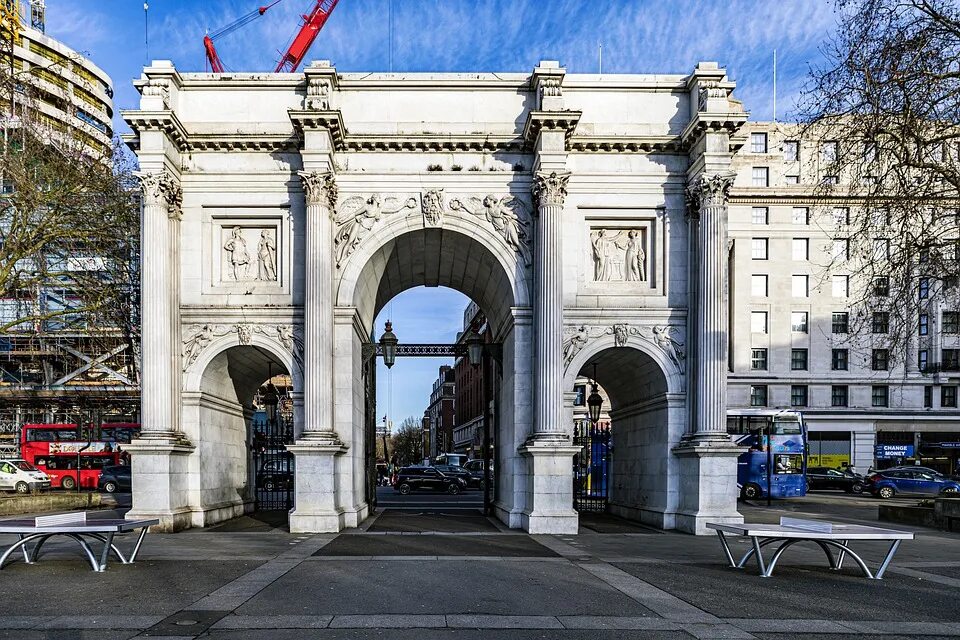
(949, 445)
(888, 451)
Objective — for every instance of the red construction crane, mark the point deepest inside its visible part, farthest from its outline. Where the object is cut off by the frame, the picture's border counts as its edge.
(312, 23)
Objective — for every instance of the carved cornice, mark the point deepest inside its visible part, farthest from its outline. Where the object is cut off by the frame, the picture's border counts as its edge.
(434, 142)
(626, 144)
(705, 123)
(550, 189)
(331, 120)
(320, 188)
(159, 188)
(538, 121)
(165, 121)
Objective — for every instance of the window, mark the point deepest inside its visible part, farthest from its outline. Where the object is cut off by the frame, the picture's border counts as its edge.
(758, 285)
(841, 216)
(798, 359)
(881, 249)
(948, 396)
(841, 286)
(869, 152)
(758, 248)
(839, 360)
(924, 324)
(791, 151)
(791, 179)
(758, 143)
(760, 177)
(758, 215)
(928, 397)
(800, 286)
(829, 180)
(828, 152)
(581, 391)
(758, 359)
(841, 249)
(758, 321)
(950, 360)
(880, 322)
(880, 395)
(800, 215)
(801, 249)
(798, 321)
(881, 286)
(951, 322)
(758, 395)
(838, 395)
(798, 395)
(923, 360)
(879, 360)
(840, 322)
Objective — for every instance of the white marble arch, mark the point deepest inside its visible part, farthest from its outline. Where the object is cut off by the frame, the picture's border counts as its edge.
(218, 390)
(648, 418)
(463, 255)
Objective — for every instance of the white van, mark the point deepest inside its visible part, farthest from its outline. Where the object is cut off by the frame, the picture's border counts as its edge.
(21, 476)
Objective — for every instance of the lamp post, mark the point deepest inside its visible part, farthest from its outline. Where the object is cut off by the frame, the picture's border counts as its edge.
(595, 401)
(388, 342)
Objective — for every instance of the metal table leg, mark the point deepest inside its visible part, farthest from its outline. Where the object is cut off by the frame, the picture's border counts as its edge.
(843, 552)
(759, 555)
(750, 552)
(887, 559)
(726, 549)
(136, 549)
(107, 545)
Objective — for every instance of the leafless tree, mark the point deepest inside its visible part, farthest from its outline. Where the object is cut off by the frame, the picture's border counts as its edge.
(406, 442)
(881, 126)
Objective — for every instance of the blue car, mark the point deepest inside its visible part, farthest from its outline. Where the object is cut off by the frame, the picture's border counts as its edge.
(909, 481)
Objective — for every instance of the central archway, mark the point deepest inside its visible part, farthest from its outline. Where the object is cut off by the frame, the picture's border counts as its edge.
(462, 255)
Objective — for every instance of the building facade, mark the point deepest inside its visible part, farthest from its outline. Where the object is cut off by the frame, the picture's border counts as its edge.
(468, 428)
(796, 343)
(585, 215)
(441, 411)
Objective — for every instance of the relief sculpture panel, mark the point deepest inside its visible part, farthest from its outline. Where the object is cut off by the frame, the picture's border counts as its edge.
(619, 255)
(249, 254)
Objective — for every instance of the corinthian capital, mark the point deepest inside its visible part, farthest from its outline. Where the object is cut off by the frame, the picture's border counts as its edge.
(550, 188)
(710, 191)
(160, 189)
(319, 187)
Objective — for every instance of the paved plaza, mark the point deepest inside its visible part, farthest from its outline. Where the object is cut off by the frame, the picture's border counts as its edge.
(413, 572)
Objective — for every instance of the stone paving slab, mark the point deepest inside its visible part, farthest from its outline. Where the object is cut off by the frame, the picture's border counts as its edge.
(446, 634)
(432, 546)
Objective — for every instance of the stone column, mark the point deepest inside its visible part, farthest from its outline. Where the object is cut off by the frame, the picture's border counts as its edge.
(315, 497)
(549, 192)
(708, 467)
(159, 455)
(549, 495)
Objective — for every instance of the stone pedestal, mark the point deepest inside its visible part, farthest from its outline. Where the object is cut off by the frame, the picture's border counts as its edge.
(160, 479)
(315, 493)
(550, 487)
(708, 483)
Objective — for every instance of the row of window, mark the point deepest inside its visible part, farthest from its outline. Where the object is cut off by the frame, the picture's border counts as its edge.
(828, 149)
(840, 359)
(840, 320)
(840, 395)
(799, 216)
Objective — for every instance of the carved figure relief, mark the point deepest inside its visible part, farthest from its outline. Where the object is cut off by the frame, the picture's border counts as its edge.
(200, 337)
(550, 87)
(432, 205)
(508, 217)
(238, 257)
(267, 257)
(357, 216)
(576, 338)
(618, 255)
(318, 95)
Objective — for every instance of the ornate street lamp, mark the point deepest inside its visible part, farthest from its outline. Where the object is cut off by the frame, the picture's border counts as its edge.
(270, 400)
(595, 401)
(388, 343)
(474, 348)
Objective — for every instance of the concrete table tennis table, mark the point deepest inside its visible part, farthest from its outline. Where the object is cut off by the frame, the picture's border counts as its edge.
(77, 527)
(826, 535)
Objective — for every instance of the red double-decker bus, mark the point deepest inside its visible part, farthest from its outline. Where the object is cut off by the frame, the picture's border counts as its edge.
(72, 456)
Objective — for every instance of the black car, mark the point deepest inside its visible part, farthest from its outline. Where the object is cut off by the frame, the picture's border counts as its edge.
(475, 468)
(427, 479)
(826, 478)
(276, 474)
(457, 472)
(115, 478)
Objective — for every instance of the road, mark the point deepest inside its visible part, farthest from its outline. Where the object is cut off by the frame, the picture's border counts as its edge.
(835, 504)
(470, 500)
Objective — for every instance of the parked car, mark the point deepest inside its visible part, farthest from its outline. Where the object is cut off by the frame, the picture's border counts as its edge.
(115, 478)
(475, 467)
(826, 478)
(419, 478)
(16, 474)
(276, 474)
(909, 481)
(457, 472)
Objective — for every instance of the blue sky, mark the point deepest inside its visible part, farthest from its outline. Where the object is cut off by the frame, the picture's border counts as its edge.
(638, 36)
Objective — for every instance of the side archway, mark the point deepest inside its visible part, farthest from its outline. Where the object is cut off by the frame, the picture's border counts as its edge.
(648, 416)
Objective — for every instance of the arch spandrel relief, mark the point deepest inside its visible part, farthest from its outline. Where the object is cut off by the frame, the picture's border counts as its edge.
(198, 337)
(663, 337)
(505, 214)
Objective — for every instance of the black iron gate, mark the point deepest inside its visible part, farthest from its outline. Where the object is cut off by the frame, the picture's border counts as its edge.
(592, 465)
(272, 463)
